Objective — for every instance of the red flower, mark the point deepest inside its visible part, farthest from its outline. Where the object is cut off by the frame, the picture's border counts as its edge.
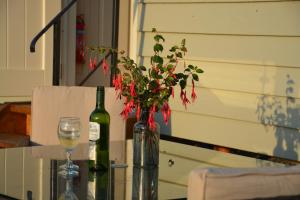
(138, 112)
(105, 66)
(91, 65)
(127, 108)
(94, 62)
(184, 99)
(166, 111)
(117, 83)
(181, 94)
(151, 121)
(172, 91)
(193, 95)
(132, 90)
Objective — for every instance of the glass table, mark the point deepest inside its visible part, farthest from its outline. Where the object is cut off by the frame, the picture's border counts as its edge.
(32, 172)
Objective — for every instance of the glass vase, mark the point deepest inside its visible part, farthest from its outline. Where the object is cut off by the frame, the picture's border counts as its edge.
(145, 183)
(145, 143)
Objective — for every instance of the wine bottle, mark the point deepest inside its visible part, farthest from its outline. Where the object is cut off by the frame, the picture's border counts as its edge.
(98, 185)
(99, 134)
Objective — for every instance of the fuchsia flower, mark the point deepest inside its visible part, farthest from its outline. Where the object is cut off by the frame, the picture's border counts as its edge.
(91, 64)
(132, 90)
(184, 99)
(193, 95)
(181, 94)
(105, 66)
(117, 83)
(138, 112)
(94, 62)
(166, 111)
(151, 121)
(127, 108)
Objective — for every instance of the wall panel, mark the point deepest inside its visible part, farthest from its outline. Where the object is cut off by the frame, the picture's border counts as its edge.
(15, 184)
(16, 34)
(276, 51)
(21, 84)
(2, 171)
(34, 8)
(258, 79)
(259, 109)
(3, 30)
(266, 18)
(32, 174)
(249, 136)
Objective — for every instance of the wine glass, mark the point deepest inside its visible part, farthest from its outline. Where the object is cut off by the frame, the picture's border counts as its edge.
(68, 194)
(68, 134)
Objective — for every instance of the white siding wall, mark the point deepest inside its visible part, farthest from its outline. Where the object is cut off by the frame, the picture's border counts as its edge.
(21, 70)
(23, 174)
(248, 97)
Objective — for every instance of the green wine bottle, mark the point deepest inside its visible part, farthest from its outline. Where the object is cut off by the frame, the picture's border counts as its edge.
(98, 185)
(99, 134)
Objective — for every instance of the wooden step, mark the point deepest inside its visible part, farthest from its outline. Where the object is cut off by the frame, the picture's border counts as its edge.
(15, 120)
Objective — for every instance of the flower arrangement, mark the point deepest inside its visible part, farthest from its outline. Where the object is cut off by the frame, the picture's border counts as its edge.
(150, 87)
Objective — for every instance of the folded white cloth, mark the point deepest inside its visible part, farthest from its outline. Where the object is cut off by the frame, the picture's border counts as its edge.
(243, 183)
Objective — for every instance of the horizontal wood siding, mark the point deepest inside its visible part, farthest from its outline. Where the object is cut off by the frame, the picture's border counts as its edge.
(265, 18)
(249, 95)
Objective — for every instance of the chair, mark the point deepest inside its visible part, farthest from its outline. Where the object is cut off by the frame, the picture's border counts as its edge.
(49, 103)
(276, 183)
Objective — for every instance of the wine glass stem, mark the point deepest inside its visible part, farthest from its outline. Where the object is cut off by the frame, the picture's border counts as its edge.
(69, 162)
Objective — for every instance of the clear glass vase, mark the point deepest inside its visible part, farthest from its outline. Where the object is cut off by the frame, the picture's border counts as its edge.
(145, 143)
(145, 183)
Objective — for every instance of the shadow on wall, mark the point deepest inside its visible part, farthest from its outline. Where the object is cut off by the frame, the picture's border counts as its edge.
(284, 117)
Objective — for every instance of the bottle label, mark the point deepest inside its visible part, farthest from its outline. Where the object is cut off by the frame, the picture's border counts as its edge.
(94, 131)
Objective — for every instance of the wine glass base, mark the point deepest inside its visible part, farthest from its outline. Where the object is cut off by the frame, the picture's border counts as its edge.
(70, 167)
(68, 173)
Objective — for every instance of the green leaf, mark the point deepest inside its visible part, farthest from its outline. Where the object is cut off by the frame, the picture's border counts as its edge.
(179, 75)
(182, 84)
(172, 60)
(153, 85)
(170, 56)
(191, 67)
(169, 78)
(195, 77)
(158, 59)
(159, 37)
(170, 66)
(199, 70)
(158, 47)
(187, 70)
(143, 68)
(174, 48)
(153, 30)
(154, 74)
(179, 54)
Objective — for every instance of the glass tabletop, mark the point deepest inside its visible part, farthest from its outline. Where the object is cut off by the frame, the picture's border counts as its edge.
(32, 172)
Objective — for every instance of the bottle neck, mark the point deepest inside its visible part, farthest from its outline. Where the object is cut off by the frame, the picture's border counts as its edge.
(100, 99)
(145, 115)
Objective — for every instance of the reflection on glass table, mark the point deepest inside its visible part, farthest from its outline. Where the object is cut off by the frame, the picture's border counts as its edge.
(33, 171)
